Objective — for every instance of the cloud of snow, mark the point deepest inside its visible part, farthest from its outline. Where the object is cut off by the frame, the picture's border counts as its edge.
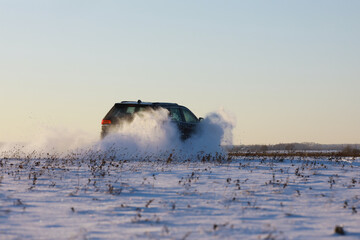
(58, 141)
(151, 135)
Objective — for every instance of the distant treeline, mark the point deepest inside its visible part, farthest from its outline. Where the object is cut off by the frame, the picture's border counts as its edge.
(295, 147)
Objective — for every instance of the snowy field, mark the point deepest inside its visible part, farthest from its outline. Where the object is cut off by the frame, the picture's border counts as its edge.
(144, 183)
(99, 197)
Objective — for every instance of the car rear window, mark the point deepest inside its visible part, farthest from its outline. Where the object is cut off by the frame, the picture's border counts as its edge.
(120, 110)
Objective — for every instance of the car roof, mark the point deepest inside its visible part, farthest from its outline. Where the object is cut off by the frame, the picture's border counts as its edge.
(139, 102)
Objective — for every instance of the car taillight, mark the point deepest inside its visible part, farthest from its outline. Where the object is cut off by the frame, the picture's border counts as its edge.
(105, 122)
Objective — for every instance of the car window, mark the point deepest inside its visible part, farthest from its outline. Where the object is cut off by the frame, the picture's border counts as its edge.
(175, 114)
(141, 109)
(130, 110)
(116, 112)
(121, 111)
(189, 116)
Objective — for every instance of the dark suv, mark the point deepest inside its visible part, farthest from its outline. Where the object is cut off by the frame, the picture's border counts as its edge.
(124, 111)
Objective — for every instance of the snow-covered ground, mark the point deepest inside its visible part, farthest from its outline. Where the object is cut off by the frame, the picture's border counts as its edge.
(142, 182)
(102, 197)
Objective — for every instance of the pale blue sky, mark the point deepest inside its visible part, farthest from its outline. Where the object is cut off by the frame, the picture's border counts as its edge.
(288, 70)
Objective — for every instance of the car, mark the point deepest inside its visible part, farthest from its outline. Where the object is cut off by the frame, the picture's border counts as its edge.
(124, 111)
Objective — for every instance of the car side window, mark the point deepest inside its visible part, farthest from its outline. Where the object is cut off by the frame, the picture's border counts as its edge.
(189, 116)
(175, 114)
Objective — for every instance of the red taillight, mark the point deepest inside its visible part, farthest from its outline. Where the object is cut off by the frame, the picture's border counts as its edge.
(105, 122)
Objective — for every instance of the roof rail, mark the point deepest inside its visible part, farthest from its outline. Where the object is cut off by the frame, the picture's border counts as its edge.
(148, 103)
(164, 103)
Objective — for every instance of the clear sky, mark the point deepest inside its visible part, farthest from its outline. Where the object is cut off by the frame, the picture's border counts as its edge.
(288, 70)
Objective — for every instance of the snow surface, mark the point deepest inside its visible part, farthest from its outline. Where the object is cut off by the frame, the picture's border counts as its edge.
(144, 183)
(101, 197)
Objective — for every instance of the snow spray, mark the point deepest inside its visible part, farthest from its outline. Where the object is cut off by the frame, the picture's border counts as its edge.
(150, 136)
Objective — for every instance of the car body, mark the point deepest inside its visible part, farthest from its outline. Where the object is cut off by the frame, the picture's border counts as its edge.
(124, 112)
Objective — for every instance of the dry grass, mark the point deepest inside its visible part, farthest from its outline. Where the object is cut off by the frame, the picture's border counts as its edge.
(302, 154)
